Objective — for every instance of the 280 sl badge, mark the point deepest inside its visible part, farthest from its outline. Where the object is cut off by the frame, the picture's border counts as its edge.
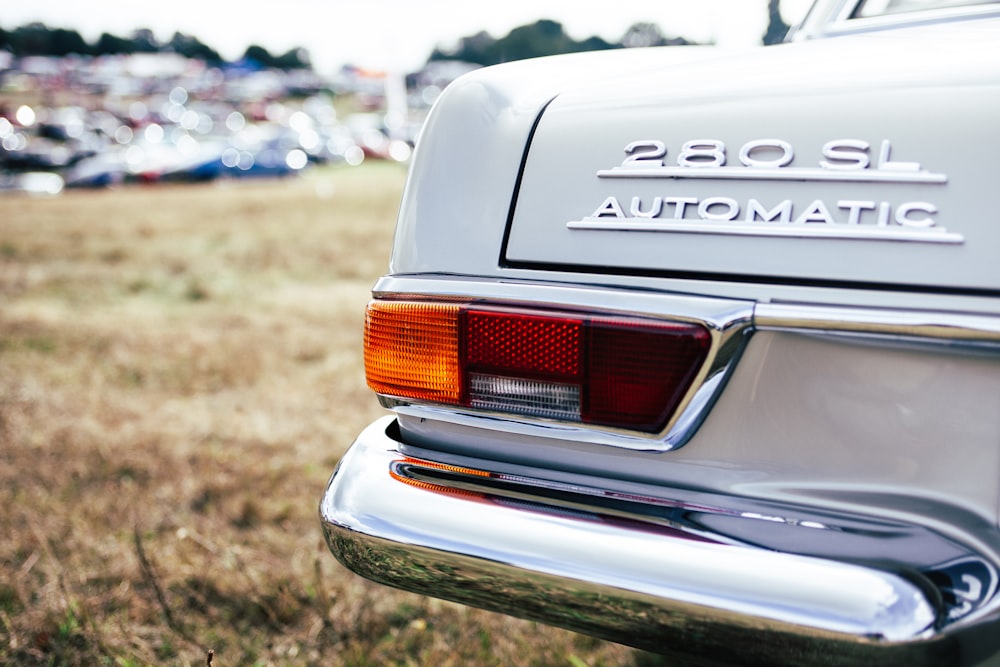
(843, 161)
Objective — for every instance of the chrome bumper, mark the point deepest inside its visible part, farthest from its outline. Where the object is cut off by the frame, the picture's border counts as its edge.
(625, 581)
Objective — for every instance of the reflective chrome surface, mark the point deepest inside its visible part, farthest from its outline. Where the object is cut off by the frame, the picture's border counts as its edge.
(636, 582)
(829, 18)
(952, 329)
(727, 321)
(755, 225)
(844, 160)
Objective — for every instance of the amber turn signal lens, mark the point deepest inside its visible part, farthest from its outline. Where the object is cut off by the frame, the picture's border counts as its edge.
(623, 372)
(411, 350)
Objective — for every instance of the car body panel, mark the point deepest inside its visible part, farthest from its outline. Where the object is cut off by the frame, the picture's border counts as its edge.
(861, 93)
(474, 141)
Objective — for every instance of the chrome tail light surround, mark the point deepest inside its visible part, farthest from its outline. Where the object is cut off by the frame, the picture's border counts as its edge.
(726, 324)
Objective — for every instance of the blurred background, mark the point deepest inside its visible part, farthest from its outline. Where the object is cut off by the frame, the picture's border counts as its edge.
(195, 91)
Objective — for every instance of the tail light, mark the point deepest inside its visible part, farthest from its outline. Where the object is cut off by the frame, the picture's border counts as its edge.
(622, 372)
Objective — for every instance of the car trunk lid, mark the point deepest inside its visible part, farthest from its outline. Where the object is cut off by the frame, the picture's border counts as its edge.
(869, 164)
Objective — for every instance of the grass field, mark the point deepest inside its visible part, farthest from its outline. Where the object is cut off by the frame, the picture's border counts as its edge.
(180, 370)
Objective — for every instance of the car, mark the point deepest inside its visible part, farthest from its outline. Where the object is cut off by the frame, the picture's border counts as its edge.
(698, 349)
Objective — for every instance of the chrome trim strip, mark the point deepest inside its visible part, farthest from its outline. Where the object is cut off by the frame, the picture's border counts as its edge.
(728, 322)
(589, 573)
(849, 7)
(776, 174)
(929, 327)
(716, 313)
(813, 231)
(838, 21)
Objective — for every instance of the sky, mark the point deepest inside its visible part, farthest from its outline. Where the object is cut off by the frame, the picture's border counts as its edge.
(392, 35)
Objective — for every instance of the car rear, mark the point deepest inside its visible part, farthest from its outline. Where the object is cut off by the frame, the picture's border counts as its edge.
(697, 351)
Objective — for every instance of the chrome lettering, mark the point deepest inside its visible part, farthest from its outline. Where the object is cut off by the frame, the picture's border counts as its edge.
(702, 153)
(883, 214)
(645, 152)
(854, 209)
(611, 208)
(784, 159)
(885, 164)
(772, 158)
(705, 208)
(681, 204)
(815, 212)
(845, 154)
(913, 215)
(904, 210)
(783, 211)
(653, 212)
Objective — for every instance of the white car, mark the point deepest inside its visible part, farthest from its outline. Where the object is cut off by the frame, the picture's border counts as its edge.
(699, 350)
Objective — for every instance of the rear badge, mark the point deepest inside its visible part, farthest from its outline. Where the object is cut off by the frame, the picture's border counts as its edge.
(844, 161)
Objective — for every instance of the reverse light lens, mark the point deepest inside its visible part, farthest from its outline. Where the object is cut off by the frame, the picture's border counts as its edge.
(621, 372)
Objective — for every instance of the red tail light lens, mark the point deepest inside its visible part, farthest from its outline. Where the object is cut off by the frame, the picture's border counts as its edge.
(640, 371)
(621, 372)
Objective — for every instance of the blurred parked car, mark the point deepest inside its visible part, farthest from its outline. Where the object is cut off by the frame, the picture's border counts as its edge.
(699, 350)
(167, 118)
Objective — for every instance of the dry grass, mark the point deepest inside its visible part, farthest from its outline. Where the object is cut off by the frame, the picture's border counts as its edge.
(179, 372)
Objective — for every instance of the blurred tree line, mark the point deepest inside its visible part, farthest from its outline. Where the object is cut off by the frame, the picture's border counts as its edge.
(546, 38)
(542, 38)
(37, 39)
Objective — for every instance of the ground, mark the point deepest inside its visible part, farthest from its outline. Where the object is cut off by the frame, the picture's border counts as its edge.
(180, 370)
